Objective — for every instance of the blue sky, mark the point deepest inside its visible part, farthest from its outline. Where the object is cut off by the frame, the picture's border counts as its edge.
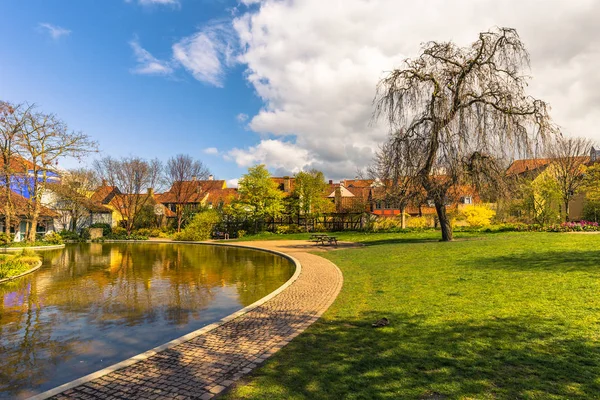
(288, 83)
(86, 77)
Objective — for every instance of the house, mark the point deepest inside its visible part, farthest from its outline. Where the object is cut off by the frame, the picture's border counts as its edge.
(530, 169)
(22, 224)
(190, 194)
(76, 211)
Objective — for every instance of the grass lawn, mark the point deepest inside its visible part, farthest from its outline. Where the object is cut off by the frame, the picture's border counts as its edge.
(491, 316)
(16, 264)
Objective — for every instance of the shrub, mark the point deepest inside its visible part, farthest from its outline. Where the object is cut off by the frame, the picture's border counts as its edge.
(283, 229)
(387, 224)
(241, 233)
(69, 235)
(85, 234)
(478, 216)
(106, 228)
(417, 222)
(119, 231)
(53, 238)
(199, 228)
(5, 239)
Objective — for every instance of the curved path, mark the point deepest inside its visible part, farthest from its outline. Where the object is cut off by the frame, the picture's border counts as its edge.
(205, 365)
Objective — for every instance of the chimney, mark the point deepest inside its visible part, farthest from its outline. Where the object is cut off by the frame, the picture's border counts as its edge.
(211, 177)
(331, 182)
(286, 184)
(194, 178)
(150, 192)
(104, 183)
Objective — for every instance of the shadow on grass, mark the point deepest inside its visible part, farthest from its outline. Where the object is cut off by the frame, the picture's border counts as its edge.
(416, 359)
(557, 261)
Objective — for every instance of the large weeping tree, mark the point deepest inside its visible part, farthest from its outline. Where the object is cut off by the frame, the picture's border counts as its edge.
(456, 111)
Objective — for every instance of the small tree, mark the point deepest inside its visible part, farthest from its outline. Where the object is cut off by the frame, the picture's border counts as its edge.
(569, 156)
(308, 192)
(543, 197)
(453, 103)
(136, 178)
(180, 171)
(259, 196)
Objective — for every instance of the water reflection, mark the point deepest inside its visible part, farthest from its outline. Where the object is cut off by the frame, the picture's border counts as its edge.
(92, 305)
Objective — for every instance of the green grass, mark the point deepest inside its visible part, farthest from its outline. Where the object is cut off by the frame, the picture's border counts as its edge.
(15, 264)
(496, 316)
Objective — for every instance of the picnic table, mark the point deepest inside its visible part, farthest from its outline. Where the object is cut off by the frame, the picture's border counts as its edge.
(322, 239)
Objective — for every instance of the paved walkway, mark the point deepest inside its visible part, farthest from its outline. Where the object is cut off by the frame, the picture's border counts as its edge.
(205, 365)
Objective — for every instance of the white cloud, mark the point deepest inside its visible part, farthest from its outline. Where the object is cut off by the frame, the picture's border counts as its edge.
(232, 183)
(282, 157)
(241, 117)
(147, 63)
(207, 53)
(315, 65)
(211, 151)
(55, 32)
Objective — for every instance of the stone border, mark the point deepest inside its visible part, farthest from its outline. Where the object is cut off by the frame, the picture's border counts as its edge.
(147, 354)
(35, 248)
(37, 266)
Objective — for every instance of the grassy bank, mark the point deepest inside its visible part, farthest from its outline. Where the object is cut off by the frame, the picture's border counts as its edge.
(496, 316)
(16, 264)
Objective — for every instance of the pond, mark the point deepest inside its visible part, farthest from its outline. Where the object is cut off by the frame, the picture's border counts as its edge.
(92, 305)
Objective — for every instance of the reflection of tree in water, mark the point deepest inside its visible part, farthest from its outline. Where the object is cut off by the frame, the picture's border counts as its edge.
(29, 350)
(101, 287)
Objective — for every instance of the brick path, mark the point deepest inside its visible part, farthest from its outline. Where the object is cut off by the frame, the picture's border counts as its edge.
(205, 365)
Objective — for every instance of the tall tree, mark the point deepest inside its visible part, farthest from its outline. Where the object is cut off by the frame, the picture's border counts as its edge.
(182, 173)
(452, 103)
(11, 122)
(258, 194)
(569, 156)
(135, 178)
(44, 140)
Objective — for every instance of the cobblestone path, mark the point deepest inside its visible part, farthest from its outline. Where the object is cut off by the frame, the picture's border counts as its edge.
(205, 365)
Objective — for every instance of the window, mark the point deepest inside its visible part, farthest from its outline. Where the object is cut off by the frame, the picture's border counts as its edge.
(467, 200)
(378, 205)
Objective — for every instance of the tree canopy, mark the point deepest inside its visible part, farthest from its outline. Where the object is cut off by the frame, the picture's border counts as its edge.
(456, 112)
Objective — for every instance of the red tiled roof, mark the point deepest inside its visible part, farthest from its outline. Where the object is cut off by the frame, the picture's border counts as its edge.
(222, 195)
(20, 204)
(104, 194)
(18, 164)
(190, 191)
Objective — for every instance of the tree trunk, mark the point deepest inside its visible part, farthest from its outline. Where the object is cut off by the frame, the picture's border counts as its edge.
(33, 230)
(402, 217)
(567, 210)
(440, 208)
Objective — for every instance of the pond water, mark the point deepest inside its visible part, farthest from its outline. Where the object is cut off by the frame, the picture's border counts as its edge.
(92, 305)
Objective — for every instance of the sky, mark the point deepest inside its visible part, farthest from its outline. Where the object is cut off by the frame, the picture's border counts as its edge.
(286, 83)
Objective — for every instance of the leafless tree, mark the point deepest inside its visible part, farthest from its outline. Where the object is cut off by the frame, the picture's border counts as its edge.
(569, 156)
(72, 196)
(44, 140)
(135, 178)
(452, 103)
(11, 122)
(182, 173)
(391, 168)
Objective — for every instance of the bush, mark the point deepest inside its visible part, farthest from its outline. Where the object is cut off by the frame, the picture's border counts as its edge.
(418, 222)
(387, 224)
(119, 231)
(478, 216)
(53, 238)
(85, 234)
(69, 235)
(241, 233)
(5, 239)
(106, 228)
(284, 229)
(199, 228)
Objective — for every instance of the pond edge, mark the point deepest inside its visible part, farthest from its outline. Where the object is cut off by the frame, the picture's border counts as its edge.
(182, 339)
(34, 248)
(37, 266)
